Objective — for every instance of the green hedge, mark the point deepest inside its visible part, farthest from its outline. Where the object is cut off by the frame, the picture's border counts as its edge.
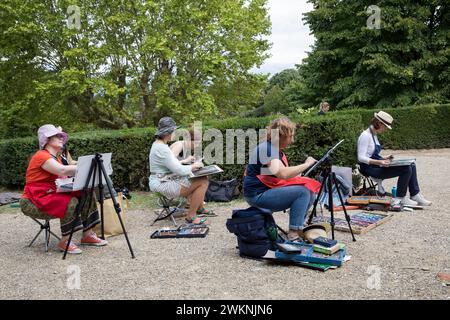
(131, 148)
(423, 127)
(313, 139)
(416, 127)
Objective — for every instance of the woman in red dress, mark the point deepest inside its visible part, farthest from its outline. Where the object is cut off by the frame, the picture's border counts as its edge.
(40, 199)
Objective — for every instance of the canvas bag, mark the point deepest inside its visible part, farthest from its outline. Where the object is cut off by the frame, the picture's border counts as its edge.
(111, 221)
(345, 186)
(222, 191)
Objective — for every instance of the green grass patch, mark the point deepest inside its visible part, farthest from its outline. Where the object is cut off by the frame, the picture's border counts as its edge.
(141, 200)
(7, 209)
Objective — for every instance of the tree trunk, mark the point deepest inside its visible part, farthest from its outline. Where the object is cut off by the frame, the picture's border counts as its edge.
(122, 83)
(148, 98)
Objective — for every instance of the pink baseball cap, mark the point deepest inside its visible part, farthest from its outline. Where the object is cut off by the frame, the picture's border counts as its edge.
(47, 131)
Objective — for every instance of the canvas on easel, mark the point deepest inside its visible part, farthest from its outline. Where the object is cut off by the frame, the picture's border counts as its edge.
(77, 182)
(83, 166)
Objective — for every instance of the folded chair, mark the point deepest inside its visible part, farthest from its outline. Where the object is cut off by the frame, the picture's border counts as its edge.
(47, 232)
(371, 185)
(168, 208)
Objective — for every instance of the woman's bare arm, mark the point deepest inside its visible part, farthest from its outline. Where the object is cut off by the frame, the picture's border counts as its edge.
(177, 148)
(54, 167)
(382, 163)
(70, 160)
(278, 169)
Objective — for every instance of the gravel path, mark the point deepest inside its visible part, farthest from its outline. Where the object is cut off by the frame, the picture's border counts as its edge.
(408, 252)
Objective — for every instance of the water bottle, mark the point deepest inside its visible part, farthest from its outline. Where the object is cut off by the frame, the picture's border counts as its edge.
(394, 192)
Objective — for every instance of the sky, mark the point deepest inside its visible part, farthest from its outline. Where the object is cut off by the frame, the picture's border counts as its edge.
(290, 38)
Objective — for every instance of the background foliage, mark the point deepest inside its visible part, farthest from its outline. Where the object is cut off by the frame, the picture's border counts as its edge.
(132, 62)
(414, 127)
(129, 64)
(405, 62)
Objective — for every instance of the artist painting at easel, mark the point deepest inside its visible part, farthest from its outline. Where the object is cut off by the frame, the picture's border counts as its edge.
(270, 183)
(40, 199)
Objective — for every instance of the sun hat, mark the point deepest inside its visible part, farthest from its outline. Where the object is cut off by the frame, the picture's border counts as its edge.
(385, 118)
(47, 131)
(314, 231)
(166, 126)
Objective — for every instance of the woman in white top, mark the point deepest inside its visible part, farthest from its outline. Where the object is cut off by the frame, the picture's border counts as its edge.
(374, 165)
(163, 164)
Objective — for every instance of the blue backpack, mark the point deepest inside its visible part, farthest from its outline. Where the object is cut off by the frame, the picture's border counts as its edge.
(255, 230)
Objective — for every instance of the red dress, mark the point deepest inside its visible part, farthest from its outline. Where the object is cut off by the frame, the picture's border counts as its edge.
(40, 187)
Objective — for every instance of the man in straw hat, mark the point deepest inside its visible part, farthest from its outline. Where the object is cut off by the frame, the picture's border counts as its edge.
(374, 165)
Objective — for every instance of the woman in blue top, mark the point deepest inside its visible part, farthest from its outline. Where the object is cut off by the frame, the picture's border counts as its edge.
(270, 182)
(372, 164)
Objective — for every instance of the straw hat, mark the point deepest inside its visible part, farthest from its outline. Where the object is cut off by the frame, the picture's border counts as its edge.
(314, 231)
(385, 118)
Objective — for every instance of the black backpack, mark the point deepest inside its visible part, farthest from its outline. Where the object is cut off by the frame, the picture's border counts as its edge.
(255, 230)
(222, 191)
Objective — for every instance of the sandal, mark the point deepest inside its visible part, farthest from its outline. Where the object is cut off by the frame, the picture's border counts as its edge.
(199, 220)
(203, 212)
(297, 238)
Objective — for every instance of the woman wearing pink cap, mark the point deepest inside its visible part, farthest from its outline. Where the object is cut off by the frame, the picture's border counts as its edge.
(40, 199)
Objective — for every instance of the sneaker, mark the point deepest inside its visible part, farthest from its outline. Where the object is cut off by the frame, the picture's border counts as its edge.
(421, 200)
(408, 202)
(73, 249)
(92, 240)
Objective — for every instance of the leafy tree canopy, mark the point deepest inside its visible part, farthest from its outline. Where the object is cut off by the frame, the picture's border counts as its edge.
(129, 62)
(404, 62)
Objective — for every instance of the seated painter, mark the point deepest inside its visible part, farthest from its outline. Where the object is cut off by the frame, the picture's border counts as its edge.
(372, 164)
(40, 199)
(184, 151)
(163, 164)
(270, 183)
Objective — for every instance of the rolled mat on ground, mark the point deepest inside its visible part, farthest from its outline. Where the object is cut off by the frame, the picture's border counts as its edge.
(9, 197)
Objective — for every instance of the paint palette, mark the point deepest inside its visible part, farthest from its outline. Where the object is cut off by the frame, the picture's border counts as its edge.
(355, 200)
(181, 232)
(361, 222)
(361, 200)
